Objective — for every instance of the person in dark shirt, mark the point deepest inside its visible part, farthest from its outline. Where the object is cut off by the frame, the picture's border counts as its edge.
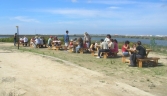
(140, 53)
(15, 37)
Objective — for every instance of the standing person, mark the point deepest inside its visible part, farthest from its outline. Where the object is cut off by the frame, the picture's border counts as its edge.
(66, 40)
(15, 37)
(87, 39)
(141, 53)
(104, 47)
(50, 42)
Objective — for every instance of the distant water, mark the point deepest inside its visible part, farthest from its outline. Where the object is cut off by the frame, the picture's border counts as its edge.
(4, 36)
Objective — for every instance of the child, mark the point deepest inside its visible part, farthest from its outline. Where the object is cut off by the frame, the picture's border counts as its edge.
(133, 48)
(71, 43)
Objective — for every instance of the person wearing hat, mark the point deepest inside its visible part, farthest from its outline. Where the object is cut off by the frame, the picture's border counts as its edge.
(87, 39)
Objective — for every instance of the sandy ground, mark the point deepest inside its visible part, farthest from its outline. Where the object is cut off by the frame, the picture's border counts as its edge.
(28, 74)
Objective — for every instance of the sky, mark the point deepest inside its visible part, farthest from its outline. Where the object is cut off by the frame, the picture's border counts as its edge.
(122, 17)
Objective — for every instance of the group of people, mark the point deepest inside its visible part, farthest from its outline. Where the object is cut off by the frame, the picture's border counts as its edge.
(137, 51)
(106, 45)
(53, 41)
(37, 41)
(23, 40)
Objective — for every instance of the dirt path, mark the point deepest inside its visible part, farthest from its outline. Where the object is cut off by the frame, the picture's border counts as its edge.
(28, 74)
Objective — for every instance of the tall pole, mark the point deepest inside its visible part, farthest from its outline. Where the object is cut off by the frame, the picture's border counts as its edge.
(18, 35)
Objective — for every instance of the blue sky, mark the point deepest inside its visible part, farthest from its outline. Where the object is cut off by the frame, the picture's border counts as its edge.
(136, 17)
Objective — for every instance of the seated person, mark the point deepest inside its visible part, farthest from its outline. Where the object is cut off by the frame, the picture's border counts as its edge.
(21, 40)
(44, 41)
(25, 39)
(111, 44)
(104, 48)
(96, 45)
(114, 49)
(80, 44)
(56, 41)
(133, 48)
(32, 42)
(71, 45)
(37, 41)
(115, 46)
(41, 41)
(92, 47)
(141, 53)
(125, 52)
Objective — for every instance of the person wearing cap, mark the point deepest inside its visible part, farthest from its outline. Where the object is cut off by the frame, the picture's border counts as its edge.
(66, 40)
(50, 42)
(104, 47)
(87, 39)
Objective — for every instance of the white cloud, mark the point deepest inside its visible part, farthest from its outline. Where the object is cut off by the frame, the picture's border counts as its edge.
(113, 7)
(74, 0)
(25, 19)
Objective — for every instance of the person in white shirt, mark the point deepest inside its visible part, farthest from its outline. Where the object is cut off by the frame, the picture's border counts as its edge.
(107, 39)
(25, 39)
(37, 41)
(41, 40)
(104, 48)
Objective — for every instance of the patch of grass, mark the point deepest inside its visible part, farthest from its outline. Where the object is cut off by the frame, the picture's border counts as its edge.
(60, 61)
(102, 81)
